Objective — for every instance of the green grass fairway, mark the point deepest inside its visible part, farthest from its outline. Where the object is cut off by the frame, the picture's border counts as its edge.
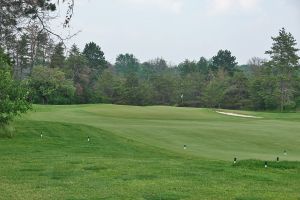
(137, 153)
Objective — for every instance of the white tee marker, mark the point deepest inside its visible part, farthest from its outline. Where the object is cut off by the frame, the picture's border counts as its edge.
(184, 147)
(88, 138)
(41, 135)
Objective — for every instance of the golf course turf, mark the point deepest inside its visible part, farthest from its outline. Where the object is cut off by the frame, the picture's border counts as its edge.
(137, 153)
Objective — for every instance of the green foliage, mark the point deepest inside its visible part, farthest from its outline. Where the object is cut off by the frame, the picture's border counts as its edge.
(236, 94)
(13, 94)
(95, 57)
(81, 74)
(213, 94)
(264, 90)
(4, 59)
(285, 63)
(203, 65)
(105, 86)
(188, 67)
(126, 64)
(131, 94)
(75, 64)
(165, 89)
(58, 57)
(152, 68)
(218, 82)
(23, 61)
(43, 50)
(50, 86)
(91, 63)
(224, 61)
(284, 52)
(191, 87)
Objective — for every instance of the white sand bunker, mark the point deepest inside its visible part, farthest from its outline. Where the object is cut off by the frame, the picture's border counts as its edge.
(238, 115)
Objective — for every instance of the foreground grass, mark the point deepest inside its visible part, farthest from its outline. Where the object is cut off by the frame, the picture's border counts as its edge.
(63, 165)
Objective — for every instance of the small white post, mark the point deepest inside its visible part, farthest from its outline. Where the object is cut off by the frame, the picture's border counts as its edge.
(181, 98)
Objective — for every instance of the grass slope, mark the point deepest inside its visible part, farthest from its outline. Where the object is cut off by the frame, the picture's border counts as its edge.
(136, 153)
(207, 134)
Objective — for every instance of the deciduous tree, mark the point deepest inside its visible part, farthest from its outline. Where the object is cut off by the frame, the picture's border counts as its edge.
(13, 94)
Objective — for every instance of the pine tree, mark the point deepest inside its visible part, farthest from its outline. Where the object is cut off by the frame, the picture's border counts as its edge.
(95, 57)
(225, 61)
(58, 58)
(22, 58)
(284, 61)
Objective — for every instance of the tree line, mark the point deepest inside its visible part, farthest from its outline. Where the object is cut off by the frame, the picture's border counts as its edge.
(80, 77)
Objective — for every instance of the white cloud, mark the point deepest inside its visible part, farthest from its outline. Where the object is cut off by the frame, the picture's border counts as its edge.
(171, 5)
(217, 7)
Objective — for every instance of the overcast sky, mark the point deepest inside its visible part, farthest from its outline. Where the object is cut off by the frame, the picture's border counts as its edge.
(183, 29)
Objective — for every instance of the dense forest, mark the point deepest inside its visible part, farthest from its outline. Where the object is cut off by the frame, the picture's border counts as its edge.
(56, 75)
(53, 74)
